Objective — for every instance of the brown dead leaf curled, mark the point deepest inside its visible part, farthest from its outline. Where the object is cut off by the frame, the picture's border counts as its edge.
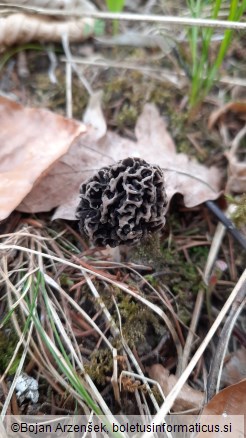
(194, 181)
(233, 117)
(188, 398)
(229, 401)
(233, 109)
(235, 368)
(20, 29)
(31, 141)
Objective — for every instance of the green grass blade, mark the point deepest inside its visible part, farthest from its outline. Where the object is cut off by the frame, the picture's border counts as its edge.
(115, 5)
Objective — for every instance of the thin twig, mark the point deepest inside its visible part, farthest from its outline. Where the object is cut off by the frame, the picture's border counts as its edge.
(66, 47)
(161, 73)
(192, 329)
(213, 252)
(127, 16)
(239, 237)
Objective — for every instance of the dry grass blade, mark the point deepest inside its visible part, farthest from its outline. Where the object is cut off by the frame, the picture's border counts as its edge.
(172, 20)
(192, 329)
(152, 306)
(218, 360)
(213, 252)
(18, 372)
(173, 394)
(47, 338)
(55, 340)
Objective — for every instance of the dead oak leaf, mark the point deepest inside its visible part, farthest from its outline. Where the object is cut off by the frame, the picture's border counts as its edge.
(31, 141)
(231, 401)
(235, 368)
(89, 153)
(188, 398)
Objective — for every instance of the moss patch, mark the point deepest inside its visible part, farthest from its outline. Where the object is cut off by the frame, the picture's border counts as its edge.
(8, 342)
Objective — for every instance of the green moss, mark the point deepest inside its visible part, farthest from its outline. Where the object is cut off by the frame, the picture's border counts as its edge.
(136, 318)
(239, 216)
(200, 253)
(113, 90)
(65, 280)
(183, 278)
(127, 117)
(101, 365)
(151, 280)
(8, 342)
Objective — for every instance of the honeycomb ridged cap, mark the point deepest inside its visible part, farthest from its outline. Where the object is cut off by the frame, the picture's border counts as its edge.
(122, 203)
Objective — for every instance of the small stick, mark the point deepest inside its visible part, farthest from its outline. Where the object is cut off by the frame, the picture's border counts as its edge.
(192, 329)
(239, 237)
(128, 16)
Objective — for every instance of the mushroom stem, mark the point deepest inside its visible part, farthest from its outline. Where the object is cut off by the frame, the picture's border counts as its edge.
(147, 252)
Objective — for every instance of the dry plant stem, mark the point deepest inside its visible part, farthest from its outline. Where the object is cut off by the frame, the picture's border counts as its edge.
(132, 357)
(159, 418)
(124, 16)
(213, 252)
(69, 97)
(114, 378)
(144, 379)
(67, 340)
(66, 47)
(221, 347)
(40, 356)
(160, 73)
(182, 21)
(192, 329)
(236, 141)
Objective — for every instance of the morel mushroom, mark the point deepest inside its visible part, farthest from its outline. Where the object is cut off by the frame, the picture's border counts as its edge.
(122, 203)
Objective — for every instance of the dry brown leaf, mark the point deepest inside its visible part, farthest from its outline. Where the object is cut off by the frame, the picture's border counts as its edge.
(31, 141)
(229, 401)
(20, 29)
(235, 108)
(235, 368)
(194, 181)
(188, 398)
(61, 183)
(236, 175)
